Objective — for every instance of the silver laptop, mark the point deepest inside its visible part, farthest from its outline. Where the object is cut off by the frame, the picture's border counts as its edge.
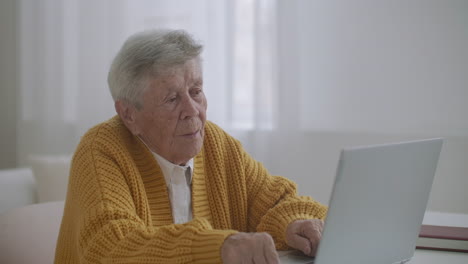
(377, 204)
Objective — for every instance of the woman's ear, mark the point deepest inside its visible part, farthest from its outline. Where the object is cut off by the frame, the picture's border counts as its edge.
(127, 112)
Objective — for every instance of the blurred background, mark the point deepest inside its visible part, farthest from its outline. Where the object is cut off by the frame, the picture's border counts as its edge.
(295, 81)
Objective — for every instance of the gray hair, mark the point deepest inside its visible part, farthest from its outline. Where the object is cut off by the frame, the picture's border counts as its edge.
(147, 54)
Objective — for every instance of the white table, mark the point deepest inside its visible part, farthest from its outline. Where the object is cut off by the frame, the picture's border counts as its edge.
(420, 257)
(432, 256)
(439, 257)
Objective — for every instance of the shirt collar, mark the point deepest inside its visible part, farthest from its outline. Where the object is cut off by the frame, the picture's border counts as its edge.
(167, 167)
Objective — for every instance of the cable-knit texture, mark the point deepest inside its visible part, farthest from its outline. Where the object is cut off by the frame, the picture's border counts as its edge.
(118, 210)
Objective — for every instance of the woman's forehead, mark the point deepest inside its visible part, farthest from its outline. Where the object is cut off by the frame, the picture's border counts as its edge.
(192, 66)
(172, 82)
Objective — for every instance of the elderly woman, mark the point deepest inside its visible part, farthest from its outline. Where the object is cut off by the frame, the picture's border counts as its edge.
(159, 184)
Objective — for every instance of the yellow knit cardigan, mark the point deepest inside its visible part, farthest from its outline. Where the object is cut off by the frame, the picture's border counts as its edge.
(117, 208)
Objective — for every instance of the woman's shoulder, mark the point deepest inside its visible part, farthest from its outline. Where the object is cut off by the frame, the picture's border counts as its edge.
(218, 141)
(111, 131)
(218, 134)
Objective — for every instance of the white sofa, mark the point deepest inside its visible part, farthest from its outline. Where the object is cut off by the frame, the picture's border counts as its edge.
(31, 209)
(17, 188)
(29, 234)
(45, 180)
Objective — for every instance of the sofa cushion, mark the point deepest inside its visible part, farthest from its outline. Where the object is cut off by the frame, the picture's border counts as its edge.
(17, 188)
(51, 174)
(29, 234)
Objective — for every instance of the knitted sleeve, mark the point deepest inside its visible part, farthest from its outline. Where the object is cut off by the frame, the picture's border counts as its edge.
(110, 235)
(274, 203)
(103, 224)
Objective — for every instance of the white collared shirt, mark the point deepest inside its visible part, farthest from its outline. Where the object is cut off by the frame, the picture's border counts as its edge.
(179, 186)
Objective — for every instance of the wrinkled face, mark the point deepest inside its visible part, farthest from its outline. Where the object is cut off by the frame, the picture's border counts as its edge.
(172, 119)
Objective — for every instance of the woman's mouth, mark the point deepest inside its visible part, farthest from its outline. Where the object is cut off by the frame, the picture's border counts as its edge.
(191, 135)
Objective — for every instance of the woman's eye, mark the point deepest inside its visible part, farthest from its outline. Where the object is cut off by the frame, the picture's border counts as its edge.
(172, 99)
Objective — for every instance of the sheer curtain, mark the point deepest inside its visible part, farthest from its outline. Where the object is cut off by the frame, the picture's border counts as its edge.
(67, 47)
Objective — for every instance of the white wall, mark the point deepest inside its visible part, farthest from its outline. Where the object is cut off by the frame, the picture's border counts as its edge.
(7, 84)
(371, 72)
(384, 66)
(311, 162)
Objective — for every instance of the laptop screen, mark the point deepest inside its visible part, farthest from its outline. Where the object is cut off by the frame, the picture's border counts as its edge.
(378, 202)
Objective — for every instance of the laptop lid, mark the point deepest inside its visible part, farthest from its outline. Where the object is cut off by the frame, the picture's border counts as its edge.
(378, 202)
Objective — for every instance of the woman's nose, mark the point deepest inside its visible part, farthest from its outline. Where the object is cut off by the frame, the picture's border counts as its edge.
(189, 108)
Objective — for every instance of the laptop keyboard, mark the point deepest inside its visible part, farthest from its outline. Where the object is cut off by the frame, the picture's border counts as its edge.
(294, 257)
